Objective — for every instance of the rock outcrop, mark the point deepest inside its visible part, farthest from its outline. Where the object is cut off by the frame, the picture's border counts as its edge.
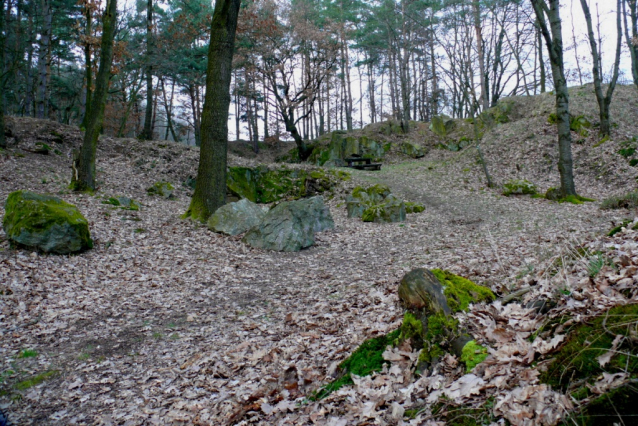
(291, 226)
(236, 218)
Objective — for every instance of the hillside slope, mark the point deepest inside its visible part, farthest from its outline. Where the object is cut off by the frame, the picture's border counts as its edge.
(165, 322)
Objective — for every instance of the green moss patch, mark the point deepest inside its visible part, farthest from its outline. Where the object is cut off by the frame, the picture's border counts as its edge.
(519, 187)
(460, 292)
(35, 380)
(473, 354)
(575, 199)
(124, 203)
(365, 360)
(575, 365)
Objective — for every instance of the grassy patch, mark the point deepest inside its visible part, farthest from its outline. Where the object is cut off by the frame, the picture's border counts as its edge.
(627, 201)
(27, 353)
(575, 365)
(35, 380)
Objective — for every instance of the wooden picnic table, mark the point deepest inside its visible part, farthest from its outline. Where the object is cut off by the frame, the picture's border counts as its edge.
(362, 163)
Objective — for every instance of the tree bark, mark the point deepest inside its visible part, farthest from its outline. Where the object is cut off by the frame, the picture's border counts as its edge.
(554, 43)
(603, 100)
(43, 59)
(3, 142)
(632, 42)
(87, 63)
(485, 97)
(210, 190)
(147, 131)
(84, 175)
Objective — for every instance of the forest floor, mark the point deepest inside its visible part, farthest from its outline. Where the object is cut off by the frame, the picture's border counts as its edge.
(166, 322)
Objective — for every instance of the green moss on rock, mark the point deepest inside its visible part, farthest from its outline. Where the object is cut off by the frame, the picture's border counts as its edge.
(45, 223)
(519, 187)
(461, 292)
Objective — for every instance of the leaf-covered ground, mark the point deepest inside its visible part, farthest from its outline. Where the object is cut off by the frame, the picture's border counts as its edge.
(165, 322)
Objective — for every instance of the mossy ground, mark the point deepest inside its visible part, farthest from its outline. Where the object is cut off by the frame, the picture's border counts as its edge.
(575, 365)
(365, 360)
(619, 406)
(473, 354)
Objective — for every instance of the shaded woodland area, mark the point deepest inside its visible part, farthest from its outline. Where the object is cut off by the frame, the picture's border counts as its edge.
(186, 238)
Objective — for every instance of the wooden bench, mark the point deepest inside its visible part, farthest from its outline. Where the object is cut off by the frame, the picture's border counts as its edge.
(361, 163)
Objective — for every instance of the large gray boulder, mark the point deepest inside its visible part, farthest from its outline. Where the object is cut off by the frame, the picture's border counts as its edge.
(291, 226)
(236, 218)
(45, 223)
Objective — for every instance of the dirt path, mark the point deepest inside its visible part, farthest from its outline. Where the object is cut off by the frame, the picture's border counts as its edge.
(165, 322)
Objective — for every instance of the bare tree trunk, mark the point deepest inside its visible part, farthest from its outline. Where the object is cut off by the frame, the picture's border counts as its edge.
(43, 59)
(554, 43)
(541, 60)
(147, 132)
(603, 100)
(210, 190)
(84, 175)
(632, 42)
(485, 97)
(168, 107)
(88, 63)
(580, 74)
(28, 98)
(3, 142)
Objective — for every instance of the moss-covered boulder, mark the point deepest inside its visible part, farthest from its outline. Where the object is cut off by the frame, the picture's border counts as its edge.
(519, 187)
(236, 218)
(431, 297)
(161, 189)
(377, 204)
(412, 150)
(45, 223)
(291, 226)
(390, 210)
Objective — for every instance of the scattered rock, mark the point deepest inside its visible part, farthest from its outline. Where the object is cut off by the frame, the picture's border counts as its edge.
(124, 203)
(291, 226)
(377, 204)
(519, 187)
(390, 210)
(421, 290)
(412, 150)
(442, 125)
(45, 223)
(162, 189)
(236, 218)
